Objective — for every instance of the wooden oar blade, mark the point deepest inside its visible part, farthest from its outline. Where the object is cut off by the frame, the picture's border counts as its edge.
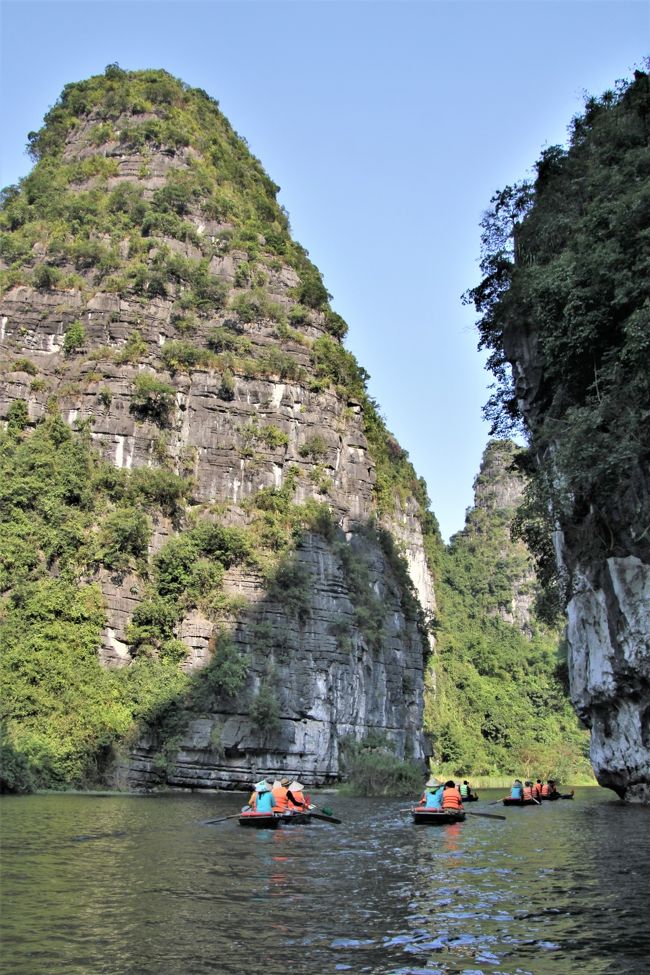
(486, 815)
(326, 819)
(209, 822)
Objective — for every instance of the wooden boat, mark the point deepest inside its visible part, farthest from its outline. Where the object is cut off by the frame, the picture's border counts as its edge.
(471, 798)
(295, 817)
(511, 801)
(558, 795)
(437, 817)
(257, 820)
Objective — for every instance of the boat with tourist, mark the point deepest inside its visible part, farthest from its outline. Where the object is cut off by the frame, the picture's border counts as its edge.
(260, 820)
(437, 817)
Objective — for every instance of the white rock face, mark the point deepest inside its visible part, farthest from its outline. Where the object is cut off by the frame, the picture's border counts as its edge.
(609, 666)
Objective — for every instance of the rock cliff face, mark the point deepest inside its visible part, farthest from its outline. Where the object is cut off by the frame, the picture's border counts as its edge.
(608, 616)
(195, 338)
(498, 491)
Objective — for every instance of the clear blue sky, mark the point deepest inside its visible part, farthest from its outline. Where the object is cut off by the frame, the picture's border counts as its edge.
(388, 125)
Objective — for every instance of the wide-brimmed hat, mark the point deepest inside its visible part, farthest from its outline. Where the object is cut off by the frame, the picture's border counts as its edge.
(296, 787)
(284, 781)
(262, 786)
(432, 782)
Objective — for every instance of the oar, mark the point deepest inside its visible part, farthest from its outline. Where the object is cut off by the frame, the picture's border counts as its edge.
(209, 822)
(495, 802)
(325, 815)
(326, 819)
(486, 815)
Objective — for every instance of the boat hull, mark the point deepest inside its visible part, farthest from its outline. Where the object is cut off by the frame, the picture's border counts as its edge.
(254, 820)
(295, 818)
(472, 798)
(510, 801)
(437, 817)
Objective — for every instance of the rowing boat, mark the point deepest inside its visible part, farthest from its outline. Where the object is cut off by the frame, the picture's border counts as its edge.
(437, 817)
(295, 817)
(471, 798)
(257, 820)
(558, 795)
(511, 801)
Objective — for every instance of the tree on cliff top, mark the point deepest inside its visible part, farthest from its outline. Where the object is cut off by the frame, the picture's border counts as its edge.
(566, 262)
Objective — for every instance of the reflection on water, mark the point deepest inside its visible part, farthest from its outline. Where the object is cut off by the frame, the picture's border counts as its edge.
(132, 885)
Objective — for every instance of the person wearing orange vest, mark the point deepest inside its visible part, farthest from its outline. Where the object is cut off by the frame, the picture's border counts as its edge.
(552, 789)
(451, 796)
(537, 790)
(527, 792)
(296, 799)
(280, 789)
(546, 790)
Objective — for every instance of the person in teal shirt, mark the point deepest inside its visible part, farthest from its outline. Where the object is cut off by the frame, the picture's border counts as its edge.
(517, 790)
(433, 794)
(264, 798)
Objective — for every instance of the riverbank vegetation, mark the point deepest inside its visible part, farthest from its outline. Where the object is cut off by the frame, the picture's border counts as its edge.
(501, 697)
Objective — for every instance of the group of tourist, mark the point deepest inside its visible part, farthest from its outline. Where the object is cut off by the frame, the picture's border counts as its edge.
(448, 795)
(533, 790)
(437, 795)
(281, 796)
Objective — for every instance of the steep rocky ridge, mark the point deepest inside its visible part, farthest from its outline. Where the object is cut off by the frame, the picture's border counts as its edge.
(564, 305)
(608, 616)
(152, 296)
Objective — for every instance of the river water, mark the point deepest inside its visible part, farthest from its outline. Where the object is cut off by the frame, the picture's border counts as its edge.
(139, 885)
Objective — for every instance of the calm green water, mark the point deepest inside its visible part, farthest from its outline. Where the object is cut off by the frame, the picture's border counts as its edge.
(133, 885)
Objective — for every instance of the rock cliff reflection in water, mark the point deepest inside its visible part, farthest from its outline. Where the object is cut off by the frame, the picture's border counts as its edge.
(118, 885)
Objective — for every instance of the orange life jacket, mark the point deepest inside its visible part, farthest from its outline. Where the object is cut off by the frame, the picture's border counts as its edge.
(537, 790)
(451, 799)
(546, 791)
(280, 796)
(527, 793)
(297, 802)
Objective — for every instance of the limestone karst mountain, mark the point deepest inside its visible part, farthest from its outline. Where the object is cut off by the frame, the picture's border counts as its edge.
(564, 310)
(195, 480)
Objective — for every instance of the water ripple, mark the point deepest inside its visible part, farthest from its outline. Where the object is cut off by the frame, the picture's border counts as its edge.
(124, 885)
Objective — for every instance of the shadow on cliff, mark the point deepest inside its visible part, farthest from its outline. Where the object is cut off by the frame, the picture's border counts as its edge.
(321, 641)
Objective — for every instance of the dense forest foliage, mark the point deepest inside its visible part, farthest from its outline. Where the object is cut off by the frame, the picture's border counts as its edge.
(500, 703)
(566, 264)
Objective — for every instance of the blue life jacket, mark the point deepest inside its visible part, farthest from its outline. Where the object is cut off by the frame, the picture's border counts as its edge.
(265, 802)
(516, 792)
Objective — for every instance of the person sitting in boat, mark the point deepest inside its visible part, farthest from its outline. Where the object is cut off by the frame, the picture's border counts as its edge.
(517, 789)
(527, 791)
(432, 797)
(262, 800)
(465, 790)
(552, 789)
(280, 787)
(537, 790)
(451, 796)
(296, 799)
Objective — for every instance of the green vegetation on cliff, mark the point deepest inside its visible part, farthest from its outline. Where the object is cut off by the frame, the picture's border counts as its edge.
(500, 704)
(78, 222)
(566, 281)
